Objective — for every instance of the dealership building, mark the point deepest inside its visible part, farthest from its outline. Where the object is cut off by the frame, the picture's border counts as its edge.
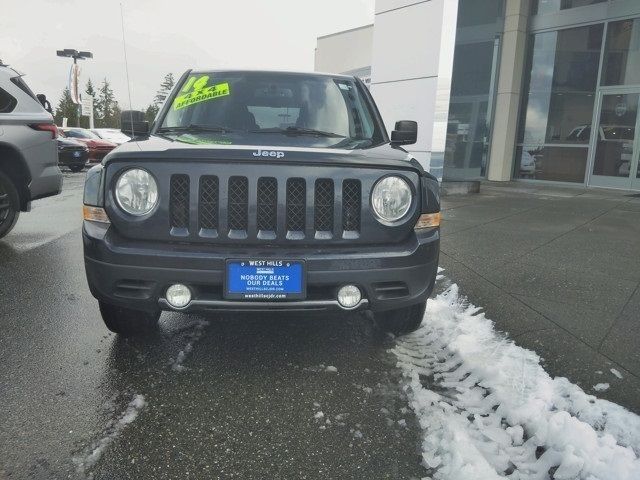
(531, 90)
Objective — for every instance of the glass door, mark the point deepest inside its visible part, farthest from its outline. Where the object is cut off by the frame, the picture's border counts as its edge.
(614, 143)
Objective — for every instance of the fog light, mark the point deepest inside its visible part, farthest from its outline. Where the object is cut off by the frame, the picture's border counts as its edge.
(349, 296)
(178, 295)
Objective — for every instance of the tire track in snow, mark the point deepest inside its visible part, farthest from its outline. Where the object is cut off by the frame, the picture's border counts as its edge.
(87, 459)
(193, 336)
(91, 455)
(488, 410)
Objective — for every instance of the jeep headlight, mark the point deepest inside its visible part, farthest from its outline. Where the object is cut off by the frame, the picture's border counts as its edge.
(391, 199)
(137, 192)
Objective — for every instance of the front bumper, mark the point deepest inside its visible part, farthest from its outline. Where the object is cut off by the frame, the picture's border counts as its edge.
(67, 157)
(136, 274)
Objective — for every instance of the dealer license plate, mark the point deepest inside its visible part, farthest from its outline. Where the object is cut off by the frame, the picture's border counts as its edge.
(265, 280)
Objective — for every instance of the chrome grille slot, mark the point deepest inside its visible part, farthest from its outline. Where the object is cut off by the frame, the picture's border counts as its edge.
(179, 204)
(323, 207)
(351, 205)
(208, 205)
(267, 198)
(296, 207)
(238, 206)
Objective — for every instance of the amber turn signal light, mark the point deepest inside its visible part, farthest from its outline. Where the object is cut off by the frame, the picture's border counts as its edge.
(428, 220)
(95, 214)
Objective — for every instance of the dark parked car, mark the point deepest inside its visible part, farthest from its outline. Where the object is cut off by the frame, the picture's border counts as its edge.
(98, 148)
(72, 154)
(262, 191)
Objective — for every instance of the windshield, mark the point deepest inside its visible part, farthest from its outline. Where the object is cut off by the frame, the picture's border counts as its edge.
(279, 109)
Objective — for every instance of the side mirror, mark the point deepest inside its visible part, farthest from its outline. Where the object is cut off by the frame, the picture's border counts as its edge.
(133, 123)
(405, 133)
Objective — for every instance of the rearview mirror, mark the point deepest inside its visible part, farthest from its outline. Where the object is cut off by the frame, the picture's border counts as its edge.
(405, 133)
(133, 123)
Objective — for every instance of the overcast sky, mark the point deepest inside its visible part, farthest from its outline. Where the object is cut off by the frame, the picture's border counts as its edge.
(165, 36)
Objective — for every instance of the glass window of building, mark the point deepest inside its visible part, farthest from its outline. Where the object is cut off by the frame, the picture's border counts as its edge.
(621, 65)
(558, 102)
(541, 7)
(473, 81)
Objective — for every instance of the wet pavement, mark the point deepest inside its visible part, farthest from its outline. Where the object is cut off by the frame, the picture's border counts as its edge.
(220, 396)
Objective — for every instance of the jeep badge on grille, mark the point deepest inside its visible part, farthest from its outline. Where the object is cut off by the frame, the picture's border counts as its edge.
(268, 153)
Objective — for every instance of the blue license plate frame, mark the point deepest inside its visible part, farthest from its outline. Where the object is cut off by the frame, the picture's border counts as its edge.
(277, 288)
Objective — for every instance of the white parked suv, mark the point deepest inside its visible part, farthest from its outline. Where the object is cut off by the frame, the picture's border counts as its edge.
(28, 149)
(112, 135)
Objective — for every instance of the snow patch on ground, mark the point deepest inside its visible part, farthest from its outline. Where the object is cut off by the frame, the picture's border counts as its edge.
(195, 334)
(488, 410)
(616, 373)
(114, 429)
(601, 387)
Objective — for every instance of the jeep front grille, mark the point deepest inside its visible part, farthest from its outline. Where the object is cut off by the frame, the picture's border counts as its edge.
(266, 208)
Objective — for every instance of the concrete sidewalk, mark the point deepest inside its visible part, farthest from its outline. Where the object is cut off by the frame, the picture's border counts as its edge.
(558, 270)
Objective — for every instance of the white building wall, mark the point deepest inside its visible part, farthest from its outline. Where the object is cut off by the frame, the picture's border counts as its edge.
(413, 46)
(347, 52)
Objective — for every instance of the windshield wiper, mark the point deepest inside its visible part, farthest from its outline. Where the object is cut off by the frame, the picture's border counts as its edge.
(193, 127)
(297, 131)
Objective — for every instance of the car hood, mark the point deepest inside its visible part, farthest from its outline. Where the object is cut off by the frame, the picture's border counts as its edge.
(160, 148)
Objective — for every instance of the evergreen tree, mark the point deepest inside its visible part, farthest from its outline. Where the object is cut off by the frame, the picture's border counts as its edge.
(66, 109)
(115, 119)
(106, 110)
(151, 112)
(165, 89)
(90, 90)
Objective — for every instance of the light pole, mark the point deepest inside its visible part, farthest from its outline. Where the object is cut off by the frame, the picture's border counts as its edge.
(76, 55)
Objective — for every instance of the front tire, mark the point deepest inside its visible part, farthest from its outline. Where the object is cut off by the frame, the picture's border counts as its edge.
(128, 322)
(403, 320)
(76, 168)
(9, 205)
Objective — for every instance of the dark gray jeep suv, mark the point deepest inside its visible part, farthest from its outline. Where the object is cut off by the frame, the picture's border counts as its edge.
(262, 191)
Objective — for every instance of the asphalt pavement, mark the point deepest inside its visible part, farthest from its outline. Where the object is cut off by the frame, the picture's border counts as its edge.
(206, 397)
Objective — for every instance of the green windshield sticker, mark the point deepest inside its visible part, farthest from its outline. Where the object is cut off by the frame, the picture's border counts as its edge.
(193, 140)
(196, 90)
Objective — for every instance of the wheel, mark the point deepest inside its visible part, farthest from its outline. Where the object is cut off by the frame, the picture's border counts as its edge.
(9, 205)
(127, 322)
(76, 168)
(403, 320)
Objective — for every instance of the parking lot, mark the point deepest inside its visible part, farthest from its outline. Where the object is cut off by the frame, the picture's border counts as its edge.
(245, 397)
(265, 396)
